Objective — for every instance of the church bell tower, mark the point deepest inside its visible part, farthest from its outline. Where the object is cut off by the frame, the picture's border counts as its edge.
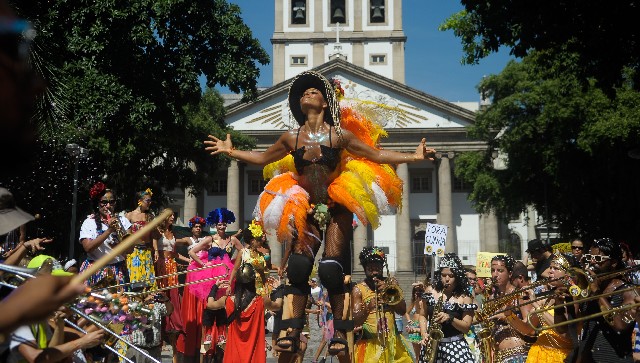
(309, 33)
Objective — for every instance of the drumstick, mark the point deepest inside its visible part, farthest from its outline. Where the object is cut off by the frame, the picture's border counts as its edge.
(120, 248)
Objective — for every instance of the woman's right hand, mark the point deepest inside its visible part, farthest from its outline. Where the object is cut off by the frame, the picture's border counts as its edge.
(216, 146)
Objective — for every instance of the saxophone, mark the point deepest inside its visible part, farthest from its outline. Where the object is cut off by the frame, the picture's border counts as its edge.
(434, 332)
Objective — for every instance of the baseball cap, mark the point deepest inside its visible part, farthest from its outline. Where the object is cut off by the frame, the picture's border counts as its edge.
(56, 268)
(11, 217)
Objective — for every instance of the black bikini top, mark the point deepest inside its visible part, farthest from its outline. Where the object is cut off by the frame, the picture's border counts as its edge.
(330, 156)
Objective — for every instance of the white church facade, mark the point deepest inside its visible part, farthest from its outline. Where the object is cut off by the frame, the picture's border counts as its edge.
(361, 43)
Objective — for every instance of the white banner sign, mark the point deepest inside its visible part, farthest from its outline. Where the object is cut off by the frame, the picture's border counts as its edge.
(435, 239)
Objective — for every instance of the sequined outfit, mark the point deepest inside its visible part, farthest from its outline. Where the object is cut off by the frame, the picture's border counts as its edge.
(504, 330)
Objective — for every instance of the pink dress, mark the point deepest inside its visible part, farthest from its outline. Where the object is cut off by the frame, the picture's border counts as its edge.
(214, 256)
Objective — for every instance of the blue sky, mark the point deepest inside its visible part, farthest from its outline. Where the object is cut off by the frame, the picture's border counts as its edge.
(432, 57)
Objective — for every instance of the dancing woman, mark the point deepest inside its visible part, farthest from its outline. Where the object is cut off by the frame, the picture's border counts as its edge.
(328, 169)
(98, 236)
(192, 307)
(456, 313)
(167, 265)
(140, 260)
(218, 248)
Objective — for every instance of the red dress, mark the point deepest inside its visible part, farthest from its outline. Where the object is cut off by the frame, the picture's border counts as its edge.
(245, 340)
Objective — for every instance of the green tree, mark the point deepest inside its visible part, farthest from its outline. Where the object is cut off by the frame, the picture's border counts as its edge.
(568, 148)
(123, 81)
(601, 33)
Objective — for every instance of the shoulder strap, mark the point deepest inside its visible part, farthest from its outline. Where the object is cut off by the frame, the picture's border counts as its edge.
(297, 134)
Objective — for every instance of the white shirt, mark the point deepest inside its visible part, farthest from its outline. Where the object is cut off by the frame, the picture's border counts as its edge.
(89, 231)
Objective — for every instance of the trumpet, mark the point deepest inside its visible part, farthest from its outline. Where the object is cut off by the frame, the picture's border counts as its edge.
(121, 233)
(391, 293)
(612, 312)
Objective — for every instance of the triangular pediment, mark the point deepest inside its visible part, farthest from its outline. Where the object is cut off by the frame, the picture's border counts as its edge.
(398, 106)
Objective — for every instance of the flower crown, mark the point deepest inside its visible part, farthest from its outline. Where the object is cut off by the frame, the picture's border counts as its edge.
(256, 229)
(220, 215)
(197, 220)
(370, 254)
(97, 190)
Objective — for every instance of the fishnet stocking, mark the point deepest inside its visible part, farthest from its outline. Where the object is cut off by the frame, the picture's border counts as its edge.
(338, 238)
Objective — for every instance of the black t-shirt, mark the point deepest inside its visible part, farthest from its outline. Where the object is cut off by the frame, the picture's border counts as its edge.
(542, 265)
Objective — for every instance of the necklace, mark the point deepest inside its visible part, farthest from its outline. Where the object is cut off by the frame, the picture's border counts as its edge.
(318, 136)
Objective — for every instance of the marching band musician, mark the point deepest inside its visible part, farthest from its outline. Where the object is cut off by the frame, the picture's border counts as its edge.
(98, 235)
(605, 338)
(511, 345)
(380, 340)
(552, 345)
(455, 315)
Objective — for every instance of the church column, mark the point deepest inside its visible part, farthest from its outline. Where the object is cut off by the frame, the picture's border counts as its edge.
(490, 233)
(190, 205)
(233, 193)
(403, 225)
(445, 203)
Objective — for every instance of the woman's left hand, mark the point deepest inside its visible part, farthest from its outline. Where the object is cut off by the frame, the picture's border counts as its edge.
(423, 152)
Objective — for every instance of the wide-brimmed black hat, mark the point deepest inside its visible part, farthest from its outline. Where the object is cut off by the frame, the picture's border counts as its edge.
(311, 79)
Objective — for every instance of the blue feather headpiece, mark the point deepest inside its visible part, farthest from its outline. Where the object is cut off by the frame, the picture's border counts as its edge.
(220, 215)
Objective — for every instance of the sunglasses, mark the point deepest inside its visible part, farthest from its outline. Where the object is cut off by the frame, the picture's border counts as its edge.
(577, 248)
(108, 201)
(596, 258)
(147, 200)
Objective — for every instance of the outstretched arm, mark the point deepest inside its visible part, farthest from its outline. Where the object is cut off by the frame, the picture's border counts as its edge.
(275, 152)
(353, 145)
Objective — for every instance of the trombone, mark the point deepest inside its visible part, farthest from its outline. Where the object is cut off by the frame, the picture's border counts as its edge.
(613, 311)
(169, 275)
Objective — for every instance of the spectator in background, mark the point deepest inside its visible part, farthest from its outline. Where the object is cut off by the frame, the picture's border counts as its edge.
(541, 252)
(577, 248)
(520, 275)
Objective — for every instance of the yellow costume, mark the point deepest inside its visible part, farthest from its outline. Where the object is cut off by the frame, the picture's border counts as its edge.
(369, 348)
(550, 347)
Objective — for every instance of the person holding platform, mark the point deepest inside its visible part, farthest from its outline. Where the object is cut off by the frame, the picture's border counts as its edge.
(380, 340)
(328, 169)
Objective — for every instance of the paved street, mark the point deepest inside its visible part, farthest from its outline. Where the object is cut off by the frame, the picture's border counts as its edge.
(312, 347)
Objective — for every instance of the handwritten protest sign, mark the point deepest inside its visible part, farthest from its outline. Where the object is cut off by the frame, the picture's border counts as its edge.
(483, 263)
(435, 239)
